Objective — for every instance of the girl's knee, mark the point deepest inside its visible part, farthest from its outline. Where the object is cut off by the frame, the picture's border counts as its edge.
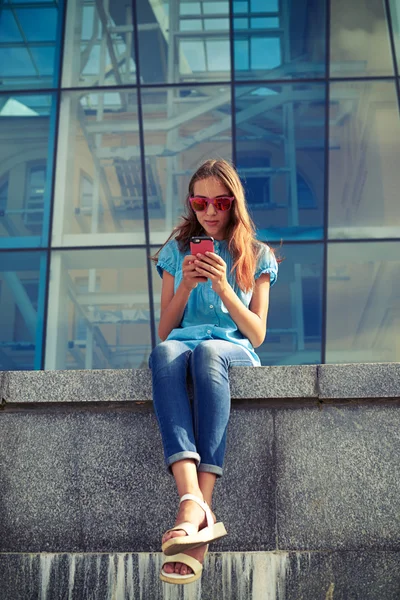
(166, 352)
(206, 352)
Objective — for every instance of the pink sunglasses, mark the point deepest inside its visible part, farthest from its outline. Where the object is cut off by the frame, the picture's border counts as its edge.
(221, 203)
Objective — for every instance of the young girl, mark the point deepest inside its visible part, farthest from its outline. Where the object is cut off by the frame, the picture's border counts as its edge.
(213, 314)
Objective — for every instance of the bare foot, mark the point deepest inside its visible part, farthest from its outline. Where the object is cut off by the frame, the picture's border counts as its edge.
(180, 568)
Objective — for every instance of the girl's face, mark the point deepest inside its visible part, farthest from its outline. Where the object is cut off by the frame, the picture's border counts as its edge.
(213, 221)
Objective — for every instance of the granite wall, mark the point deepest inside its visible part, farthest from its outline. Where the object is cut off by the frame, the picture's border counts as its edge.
(310, 495)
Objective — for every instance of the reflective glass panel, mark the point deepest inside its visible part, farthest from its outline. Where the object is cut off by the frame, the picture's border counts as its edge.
(29, 43)
(98, 197)
(395, 17)
(279, 40)
(182, 128)
(99, 47)
(359, 39)
(26, 163)
(294, 327)
(280, 156)
(183, 41)
(22, 292)
(364, 174)
(363, 320)
(98, 315)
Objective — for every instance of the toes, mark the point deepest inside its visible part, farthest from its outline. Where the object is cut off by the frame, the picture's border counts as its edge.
(185, 570)
(169, 567)
(178, 568)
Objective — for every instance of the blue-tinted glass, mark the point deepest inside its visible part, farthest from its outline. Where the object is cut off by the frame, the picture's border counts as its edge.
(181, 127)
(174, 49)
(29, 45)
(30, 2)
(44, 59)
(16, 64)
(241, 23)
(265, 53)
(27, 134)
(295, 51)
(363, 302)
(264, 23)
(280, 149)
(98, 315)
(99, 45)
(364, 150)
(241, 55)
(38, 24)
(240, 7)
(22, 289)
(9, 31)
(294, 330)
(359, 39)
(264, 5)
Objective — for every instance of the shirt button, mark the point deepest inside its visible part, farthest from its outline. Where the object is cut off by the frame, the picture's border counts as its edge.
(208, 331)
(211, 306)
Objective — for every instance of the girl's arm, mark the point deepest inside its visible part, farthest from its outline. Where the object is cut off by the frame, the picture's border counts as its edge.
(252, 321)
(173, 304)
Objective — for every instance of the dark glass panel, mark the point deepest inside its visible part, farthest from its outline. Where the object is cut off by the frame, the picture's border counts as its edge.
(26, 155)
(294, 332)
(22, 290)
(280, 149)
(279, 40)
(30, 37)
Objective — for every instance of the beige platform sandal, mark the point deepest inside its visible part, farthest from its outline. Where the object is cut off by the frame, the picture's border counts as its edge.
(194, 538)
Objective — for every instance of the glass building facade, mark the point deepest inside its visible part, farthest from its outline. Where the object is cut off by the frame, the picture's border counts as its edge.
(106, 109)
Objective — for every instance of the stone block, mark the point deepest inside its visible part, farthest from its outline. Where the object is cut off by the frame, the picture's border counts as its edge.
(338, 474)
(374, 380)
(94, 480)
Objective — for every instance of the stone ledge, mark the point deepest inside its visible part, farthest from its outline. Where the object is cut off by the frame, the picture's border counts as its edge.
(319, 382)
(365, 380)
(239, 576)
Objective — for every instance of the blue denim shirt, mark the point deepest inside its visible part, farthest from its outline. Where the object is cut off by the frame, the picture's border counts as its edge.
(205, 316)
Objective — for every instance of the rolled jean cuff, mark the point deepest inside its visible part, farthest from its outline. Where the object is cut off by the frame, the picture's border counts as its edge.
(204, 468)
(181, 455)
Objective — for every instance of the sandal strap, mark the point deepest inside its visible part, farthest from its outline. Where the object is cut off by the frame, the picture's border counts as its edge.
(187, 560)
(203, 505)
(189, 528)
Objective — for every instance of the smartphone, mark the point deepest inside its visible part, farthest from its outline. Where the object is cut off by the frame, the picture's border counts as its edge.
(202, 244)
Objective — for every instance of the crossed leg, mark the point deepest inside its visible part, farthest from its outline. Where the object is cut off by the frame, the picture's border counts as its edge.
(201, 484)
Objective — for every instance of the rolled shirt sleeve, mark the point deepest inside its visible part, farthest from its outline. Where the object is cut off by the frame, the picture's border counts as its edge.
(267, 263)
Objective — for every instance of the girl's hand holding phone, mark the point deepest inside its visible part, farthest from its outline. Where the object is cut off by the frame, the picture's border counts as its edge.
(212, 267)
(191, 278)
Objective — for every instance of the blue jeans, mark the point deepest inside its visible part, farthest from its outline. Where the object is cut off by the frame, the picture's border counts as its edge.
(195, 431)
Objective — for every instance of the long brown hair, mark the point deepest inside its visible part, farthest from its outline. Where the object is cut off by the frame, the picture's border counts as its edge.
(240, 231)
